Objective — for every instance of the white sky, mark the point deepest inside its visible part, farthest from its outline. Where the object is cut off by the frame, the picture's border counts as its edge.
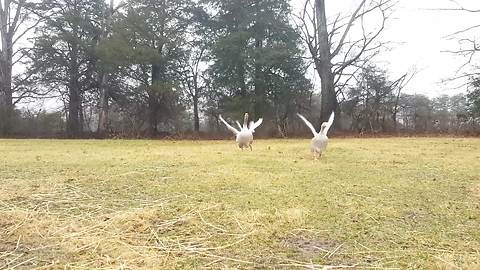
(419, 35)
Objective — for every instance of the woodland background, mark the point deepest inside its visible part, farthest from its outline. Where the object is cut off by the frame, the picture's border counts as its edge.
(156, 68)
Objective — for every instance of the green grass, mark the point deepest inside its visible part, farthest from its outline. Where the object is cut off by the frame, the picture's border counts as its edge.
(408, 203)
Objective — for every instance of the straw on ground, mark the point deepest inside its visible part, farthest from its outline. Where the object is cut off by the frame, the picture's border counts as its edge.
(368, 203)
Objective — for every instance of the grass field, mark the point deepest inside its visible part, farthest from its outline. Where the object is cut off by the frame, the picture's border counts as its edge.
(407, 203)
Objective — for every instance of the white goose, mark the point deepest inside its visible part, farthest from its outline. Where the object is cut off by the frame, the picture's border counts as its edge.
(245, 135)
(320, 139)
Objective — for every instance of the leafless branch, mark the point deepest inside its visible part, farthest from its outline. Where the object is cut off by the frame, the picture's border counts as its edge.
(367, 40)
(452, 35)
(347, 29)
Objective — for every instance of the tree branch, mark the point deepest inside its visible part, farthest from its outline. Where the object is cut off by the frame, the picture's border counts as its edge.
(347, 29)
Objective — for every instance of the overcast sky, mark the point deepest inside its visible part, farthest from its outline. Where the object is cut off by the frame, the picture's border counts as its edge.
(418, 30)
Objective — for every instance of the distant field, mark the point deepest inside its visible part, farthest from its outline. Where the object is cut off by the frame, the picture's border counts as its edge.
(407, 203)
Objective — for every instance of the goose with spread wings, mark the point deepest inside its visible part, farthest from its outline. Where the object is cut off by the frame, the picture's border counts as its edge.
(244, 136)
(320, 139)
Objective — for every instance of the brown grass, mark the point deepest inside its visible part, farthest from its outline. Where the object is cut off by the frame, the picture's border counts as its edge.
(398, 203)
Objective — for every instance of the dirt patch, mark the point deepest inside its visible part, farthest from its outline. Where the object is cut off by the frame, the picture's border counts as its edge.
(475, 190)
(309, 246)
(412, 217)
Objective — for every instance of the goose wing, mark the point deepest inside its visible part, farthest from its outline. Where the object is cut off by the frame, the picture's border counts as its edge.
(308, 124)
(253, 125)
(330, 122)
(232, 129)
(238, 124)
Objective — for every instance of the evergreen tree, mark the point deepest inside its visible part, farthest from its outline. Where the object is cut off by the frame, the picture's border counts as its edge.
(147, 42)
(64, 53)
(256, 58)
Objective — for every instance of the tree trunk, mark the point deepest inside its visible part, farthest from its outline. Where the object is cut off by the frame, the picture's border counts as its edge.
(196, 118)
(81, 115)
(104, 95)
(395, 111)
(103, 105)
(328, 96)
(241, 78)
(74, 123)
(394, 120)
(6, 92)
(259, 98)
(196, 93)
(158, 72)
(323, 64)
(258, 80)
(153, 100)
(7, 110)
(152, 113)
(74, 106)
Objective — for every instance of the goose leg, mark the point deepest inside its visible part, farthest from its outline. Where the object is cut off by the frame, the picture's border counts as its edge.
(250, 145)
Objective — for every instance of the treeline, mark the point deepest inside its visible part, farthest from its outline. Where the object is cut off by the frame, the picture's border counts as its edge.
(377, 105)
(171, 67)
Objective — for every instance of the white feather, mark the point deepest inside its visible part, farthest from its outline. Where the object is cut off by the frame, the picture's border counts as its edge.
(320, 140)
(232, 129)
(244, 137)
(255, 125)
(314, 132)
(238, 124)
(329, 123)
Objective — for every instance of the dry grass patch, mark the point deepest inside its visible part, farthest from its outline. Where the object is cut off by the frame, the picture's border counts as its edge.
(76, 232)
(368, 204)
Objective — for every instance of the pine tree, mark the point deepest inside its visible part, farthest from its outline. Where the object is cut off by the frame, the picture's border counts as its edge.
(257, 59)
(64, 56)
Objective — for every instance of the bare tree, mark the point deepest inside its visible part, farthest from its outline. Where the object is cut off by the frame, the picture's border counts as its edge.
(374, 99)
(192, 79)
(104, 74)
(335, 48)
(398, 85)
(469, 46)
(15, 23)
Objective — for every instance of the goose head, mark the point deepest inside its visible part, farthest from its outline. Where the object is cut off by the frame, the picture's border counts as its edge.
(245, 121)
